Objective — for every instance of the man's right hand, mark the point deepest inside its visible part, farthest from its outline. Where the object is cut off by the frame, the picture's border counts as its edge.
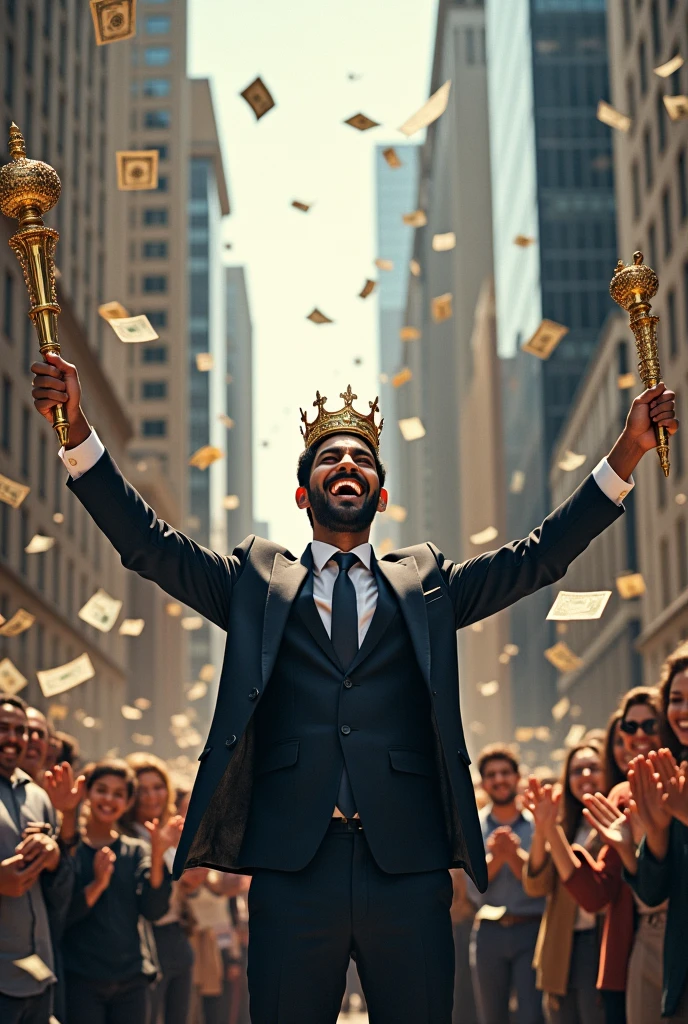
(56, 382)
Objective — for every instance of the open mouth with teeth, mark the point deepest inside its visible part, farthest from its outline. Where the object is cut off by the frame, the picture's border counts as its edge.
(348, 486)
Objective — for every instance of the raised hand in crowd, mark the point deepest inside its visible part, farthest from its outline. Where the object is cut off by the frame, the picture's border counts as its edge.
(647, 801)
(66, 794)
(674, 781)
(613, 826)
(162, 837)
(543, 803)
(103, 866)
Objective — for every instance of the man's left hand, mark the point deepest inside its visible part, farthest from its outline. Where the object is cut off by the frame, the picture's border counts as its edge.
(654, 407)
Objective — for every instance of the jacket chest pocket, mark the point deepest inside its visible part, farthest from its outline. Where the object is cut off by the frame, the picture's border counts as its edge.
(282, 755)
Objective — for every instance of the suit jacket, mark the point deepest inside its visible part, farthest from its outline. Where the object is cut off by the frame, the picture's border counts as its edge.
(249, 594)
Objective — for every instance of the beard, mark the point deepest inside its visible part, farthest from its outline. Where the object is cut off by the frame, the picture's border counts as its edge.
(343, 520)
(502, 801)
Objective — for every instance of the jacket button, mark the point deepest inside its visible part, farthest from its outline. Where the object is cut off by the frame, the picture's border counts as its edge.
(434, 693)
(348, 684)
(230, 742)
(254, 694)
(346, 729)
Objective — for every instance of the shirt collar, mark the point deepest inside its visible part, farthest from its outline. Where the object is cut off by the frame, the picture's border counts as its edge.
(18, 778)
(322, 553)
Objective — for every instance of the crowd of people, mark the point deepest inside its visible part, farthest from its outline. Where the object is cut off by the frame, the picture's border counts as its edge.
(581, 922)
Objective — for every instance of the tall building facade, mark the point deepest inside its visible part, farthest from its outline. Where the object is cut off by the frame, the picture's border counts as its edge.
(396, 194)
(552, 183)
(239, 441)
(652, 207)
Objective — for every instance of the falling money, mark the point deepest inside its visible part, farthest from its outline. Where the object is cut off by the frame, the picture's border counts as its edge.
(258, 97)
(11, 679)
(113, 311)
(563, 658)
(113, 20)
(133, 329)
(630, 585)
(101, 611)
(65, 677)
(612, 117)
(367, 289)
(11, 492)
(391, 156)
(429, 112)
(415, 219)
(545, 340)
(362, 122)
(137, 169)
(571, 606)
(205, 456)
(676, 107)
(441, 308)
(19, 623)
(412, 428)
(316, 317)
(570, 461)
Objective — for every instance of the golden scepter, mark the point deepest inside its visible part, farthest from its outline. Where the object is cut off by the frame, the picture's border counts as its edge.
(28, 189)
(632, 287)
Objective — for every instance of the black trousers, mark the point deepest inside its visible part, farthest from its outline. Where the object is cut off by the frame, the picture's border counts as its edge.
(171, 996)
(305, 925)
(30, 1010)
(90, 1001)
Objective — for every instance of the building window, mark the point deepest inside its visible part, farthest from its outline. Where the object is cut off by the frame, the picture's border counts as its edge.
(155, 250)
(671, 322)
(42, 466)
(163, 183)
(156, 216)
(4, 530)
(157, 119)
(163, 151)
(626, 14)
(630, 97)
(30, 39)
(682, 550)
(8, 311)
(656, 25)
(27, 127)
(25, 463)
(154, 354)
(47, 18)
(470, 46)
(157, 87)
(62, 53)
(158, 25)
(7, 412)
(652, 244)
(70, 589)
(685, 295)
(155, 283)
(642, 66)
(151, 389)
(677, 446)
(635, 188)
(157, 56)
(158, 318)
(661, 118)
(154, 428)
(647, 158)
(23, 541)
(666, 221)
(47, 87)
(664, 571)
(682, 184)
(9, 71)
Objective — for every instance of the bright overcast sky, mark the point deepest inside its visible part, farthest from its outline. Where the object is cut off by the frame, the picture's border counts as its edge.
(304, 53)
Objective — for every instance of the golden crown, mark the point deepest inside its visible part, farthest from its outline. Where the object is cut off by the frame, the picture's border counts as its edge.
(345, 421)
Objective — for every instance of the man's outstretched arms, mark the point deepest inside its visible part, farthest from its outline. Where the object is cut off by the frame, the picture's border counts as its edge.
(189, 572)
(484, 585)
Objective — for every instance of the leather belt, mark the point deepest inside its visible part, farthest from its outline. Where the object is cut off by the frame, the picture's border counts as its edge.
(345, 825)
(509, 920)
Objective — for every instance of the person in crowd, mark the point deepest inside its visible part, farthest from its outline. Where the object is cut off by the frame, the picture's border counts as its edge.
(567, 955)
(507, 923)
(463, 915)
(616, 756)
(155, 800)
(33, 878)
(629, 973)
(34, 757)
(108, 962)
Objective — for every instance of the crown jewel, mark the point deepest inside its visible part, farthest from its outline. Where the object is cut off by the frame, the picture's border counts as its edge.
(345, 421)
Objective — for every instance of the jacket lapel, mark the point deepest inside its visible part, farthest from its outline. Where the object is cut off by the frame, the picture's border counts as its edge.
(310, 616)
(404, 580)
(286, 579)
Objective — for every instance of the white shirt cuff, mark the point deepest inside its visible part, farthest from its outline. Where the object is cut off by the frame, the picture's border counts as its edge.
(84, 457)
(610, 483)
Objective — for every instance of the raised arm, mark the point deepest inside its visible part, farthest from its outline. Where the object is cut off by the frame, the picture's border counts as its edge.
(187, 571)
(484, 585)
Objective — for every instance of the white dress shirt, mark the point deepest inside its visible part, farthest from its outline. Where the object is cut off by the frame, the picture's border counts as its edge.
(325, 572)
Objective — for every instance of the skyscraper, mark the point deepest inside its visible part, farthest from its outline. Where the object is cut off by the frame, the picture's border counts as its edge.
(552, 184)
(238, 468)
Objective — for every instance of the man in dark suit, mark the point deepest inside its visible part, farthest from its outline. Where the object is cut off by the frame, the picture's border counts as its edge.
(336, 769)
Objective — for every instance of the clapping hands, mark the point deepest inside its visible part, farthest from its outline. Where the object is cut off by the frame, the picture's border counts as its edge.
(162, 837)
(543, 803)
(65, 792)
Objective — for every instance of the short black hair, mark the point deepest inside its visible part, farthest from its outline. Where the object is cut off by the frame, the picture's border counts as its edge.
(497, 752)
(112, 766)
(14, 701)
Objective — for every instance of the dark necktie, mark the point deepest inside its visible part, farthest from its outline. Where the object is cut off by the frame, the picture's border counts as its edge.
(345, 643)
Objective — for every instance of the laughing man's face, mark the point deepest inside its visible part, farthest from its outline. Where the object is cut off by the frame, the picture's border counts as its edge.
(14, 736)
(344, 487)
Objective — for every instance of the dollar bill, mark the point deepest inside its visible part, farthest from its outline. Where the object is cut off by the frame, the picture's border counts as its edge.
(133, 329)
(298, 205)
(11, 679)
(578, 605)
(676, 107)
(409, 334)
(207, 673)
(441, 307)
(191, 623)
(543, 343)
(608, 115)
(415, 219)
(570, 461)
(523, 241)
(485, 536)
(205, 456)
(412, 428)
(414, 267)
(101, 611)
(113, 311)
(367, 289)
(197, 690)
(488, 689)
(511, 649)
(143, 703)
(137, 169)
(524, 733)
(142, 739)
(204, 362)
(258, 97)
(131, 714)
(226, 420)
(543, 733)
(113, 20)
(316, 317)
(131, 627)
(518, 481)
(64, 677)
(38, 544)
(11, 492)
(444, 242)
(231, 502)
(625, 381)
(362, 122)
(58, 712)
(397, 513)
(383, 264)
(402, 377)
(429, 112)
(392, 157)
(561, 708)
(173, 609)
(19, 623)
(575, 735)
(562, 657)
(665, 70)
(630, 585)
(34, 966)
